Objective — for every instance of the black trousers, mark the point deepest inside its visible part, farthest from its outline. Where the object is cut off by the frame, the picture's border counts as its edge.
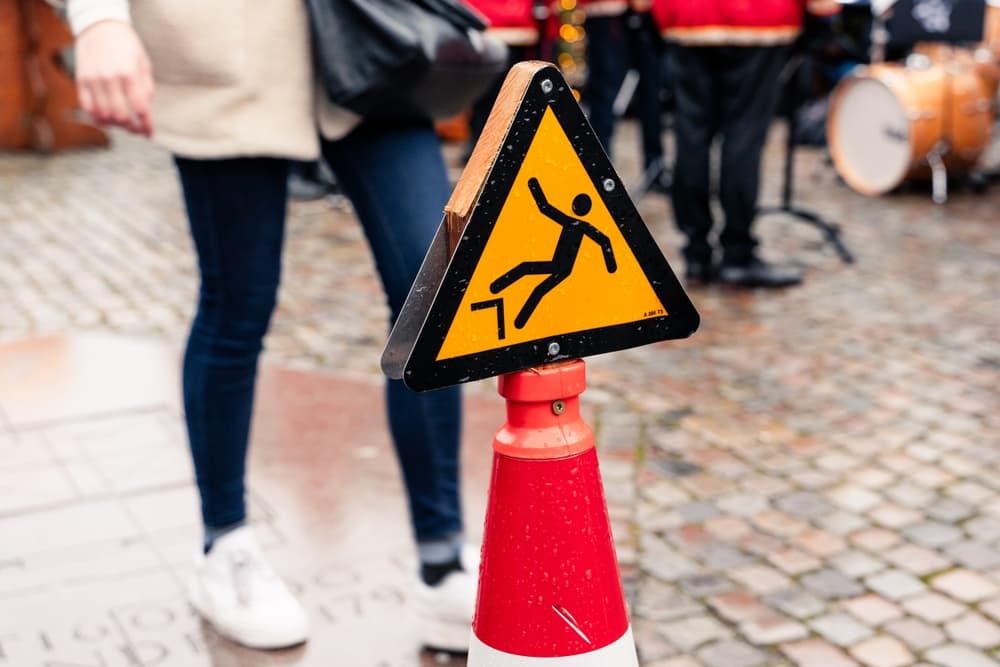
(616, 44)
(730, 92)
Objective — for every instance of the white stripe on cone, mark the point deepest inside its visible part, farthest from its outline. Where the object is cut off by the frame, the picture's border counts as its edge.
(620, 653)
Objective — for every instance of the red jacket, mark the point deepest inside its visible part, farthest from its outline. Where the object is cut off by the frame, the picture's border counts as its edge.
(612, 7)
(510, 20)
(736, 22)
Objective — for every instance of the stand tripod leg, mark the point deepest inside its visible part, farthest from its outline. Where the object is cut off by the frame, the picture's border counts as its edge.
(830, 231)
(656, 177)
(939, 178)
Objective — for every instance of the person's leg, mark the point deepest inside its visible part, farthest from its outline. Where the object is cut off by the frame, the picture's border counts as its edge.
(236, 210)
(238, 240)
(750, 92)
(692, 77)
(607, 59)
(480, 111)
(397, 181)
(646, 50)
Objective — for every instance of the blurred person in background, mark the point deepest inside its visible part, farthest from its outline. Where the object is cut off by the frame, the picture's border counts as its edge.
(621, 35)
(725, 60)
(234, 106)
(517, 24)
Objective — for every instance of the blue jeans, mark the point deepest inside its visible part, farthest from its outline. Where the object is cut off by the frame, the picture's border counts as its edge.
(397, 182)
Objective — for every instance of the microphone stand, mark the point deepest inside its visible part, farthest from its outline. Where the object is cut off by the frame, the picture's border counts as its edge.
(830, 231)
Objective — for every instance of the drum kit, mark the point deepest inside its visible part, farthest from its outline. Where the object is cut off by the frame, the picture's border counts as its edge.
(926, 116)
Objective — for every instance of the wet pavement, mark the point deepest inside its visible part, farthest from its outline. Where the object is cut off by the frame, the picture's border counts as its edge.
(813, 479)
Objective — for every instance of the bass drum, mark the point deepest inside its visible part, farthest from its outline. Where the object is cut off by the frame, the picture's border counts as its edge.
(885, 119)
(991, 29)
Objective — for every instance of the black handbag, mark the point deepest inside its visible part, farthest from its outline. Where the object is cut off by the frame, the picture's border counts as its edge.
(403, 58)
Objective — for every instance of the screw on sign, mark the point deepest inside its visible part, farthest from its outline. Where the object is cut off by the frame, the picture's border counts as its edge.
(541, 259)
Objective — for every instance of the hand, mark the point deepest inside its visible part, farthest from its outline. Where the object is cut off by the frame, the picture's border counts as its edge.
(114, 77)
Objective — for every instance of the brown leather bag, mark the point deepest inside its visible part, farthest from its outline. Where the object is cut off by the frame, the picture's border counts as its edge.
(39, 108)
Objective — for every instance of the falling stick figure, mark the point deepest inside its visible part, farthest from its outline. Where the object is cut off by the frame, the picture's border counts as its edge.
(563, 258)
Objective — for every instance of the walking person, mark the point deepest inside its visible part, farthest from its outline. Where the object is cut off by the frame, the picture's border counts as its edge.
(516, 24)
(621, 36)
(235, 100)
(725, 61)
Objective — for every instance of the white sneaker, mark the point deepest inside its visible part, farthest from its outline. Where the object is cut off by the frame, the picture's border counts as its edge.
(446, 610)
(236, 591)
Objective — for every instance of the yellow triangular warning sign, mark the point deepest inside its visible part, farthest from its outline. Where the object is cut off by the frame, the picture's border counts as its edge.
(551, 259)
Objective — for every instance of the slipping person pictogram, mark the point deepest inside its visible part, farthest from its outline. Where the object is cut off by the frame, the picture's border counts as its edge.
(564, 257)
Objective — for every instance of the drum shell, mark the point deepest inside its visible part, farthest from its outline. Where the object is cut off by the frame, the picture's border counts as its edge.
(991, 29)
(947, 102)
(918, 92)
(970, 115)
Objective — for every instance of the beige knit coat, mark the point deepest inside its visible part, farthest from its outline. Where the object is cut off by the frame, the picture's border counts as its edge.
(233, 77)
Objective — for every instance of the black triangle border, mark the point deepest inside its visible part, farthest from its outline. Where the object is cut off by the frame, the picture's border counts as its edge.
(424, 372)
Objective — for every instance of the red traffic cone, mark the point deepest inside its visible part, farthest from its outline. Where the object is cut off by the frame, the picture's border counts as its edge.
(549, 588)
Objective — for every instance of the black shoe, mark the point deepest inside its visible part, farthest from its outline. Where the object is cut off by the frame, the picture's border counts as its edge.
(301, 188)
(759, 273)
(699, 273)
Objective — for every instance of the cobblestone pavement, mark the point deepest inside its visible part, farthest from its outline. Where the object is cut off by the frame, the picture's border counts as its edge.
(812, 479)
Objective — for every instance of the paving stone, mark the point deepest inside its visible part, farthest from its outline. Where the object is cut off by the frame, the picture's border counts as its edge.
(816, 653)
(857, 564)
(727, 528)
(689, 633)
(854, 498)
(873, 478)
(974, 555)
(796, 602)
(649, 643)
(690, 538)
(820, 543)
(974, 630)
(890, 515)
(658, 601)
(875, 540)
(842, 523)
(840, 628)
(697, 512)
(933, 607)
(793, 561)
(718, 556)
(882, 651)
(910, 495)
(932, 477)
(954, 655)
(729, 653)
(679, 661)
(965, 585)
(970, 492)
(773, 629)
(831, 584)
(991, 608)
(872, 609)
(741, 504)
(760, 578)
(916, 634)
(704, 585)
(779, 523)
(949, 510)
(663, 492)
(933, 533)
(917, 560)
(895, 584)
(737, 606)
(666, 564)
(803, 504)
(984, 528)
